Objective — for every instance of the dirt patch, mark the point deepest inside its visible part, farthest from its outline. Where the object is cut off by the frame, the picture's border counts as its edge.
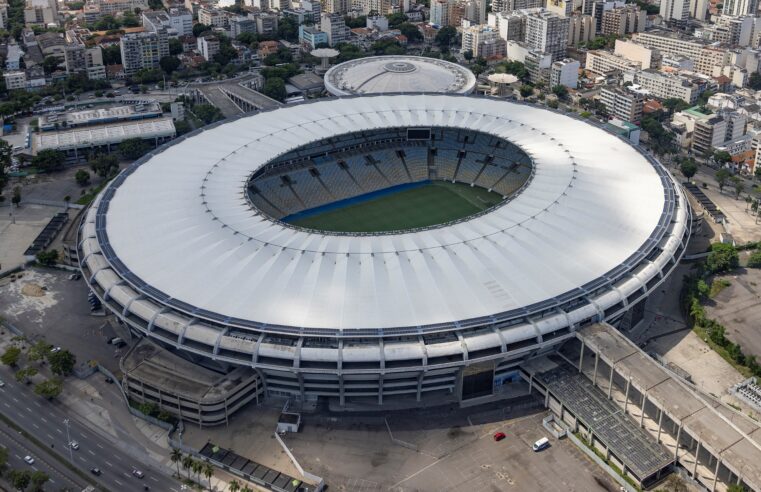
(32, 290)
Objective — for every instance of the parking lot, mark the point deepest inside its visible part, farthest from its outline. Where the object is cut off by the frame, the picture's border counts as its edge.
(44, 302)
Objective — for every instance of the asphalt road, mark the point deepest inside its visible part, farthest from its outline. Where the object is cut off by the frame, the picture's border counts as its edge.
(45, 421)
(18, 447)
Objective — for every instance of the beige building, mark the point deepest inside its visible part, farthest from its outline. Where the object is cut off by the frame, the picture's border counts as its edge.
(605, 63)
(581, 29)
(622, 103)
(647, 58)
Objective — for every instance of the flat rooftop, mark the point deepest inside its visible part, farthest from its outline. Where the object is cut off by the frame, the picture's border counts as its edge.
(94, 136)
(726, 433)
(163, 370)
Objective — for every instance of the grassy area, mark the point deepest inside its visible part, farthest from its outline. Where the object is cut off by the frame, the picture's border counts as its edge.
(88, 197)
(434, 203)
(723, 352)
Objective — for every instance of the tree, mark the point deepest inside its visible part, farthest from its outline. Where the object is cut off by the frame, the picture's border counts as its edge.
(176, 457)
(48, 160)
(4, 461)
(722, 176)
(187, 463)
(207, 113)
(275, 88)
(526, 90)
(208, 472)
(234, 486)
(738, 184)
(38, 479)
(50, 64)
(11, 356)
(6, 158)
(197, 468)
(411, 31)
(722, 258)
(175, 46)
(688, 168)
(20, 479)
(38, 351)
(23, 375)
(62, 362)
(754, 260)
(561, 91)
(133, 148)
(445, 37)
(199, 29)
(396, 20)
(105, 165)
(112, 55)
(735, 488)
(674, 104)
(49, 388)
(47, 258)
(513, 67)
(169, 64)
(722, 156)
(82, 177)
(675, 483)
(754, 81)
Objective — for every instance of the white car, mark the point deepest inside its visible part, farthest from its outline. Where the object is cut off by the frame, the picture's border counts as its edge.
(29, 460)
(74, 445)
(1, 383)
(55, 349)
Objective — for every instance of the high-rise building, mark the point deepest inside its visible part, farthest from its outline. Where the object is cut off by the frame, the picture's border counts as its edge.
(676, 10)
(40, 12)
(441, 12)
(511, 5)
(79, 58)
(143, 50)
(623, 20)
(483, 41)
(181, 20)
(334, 26)
(547, 32)
(581, 29)
(563, 8)
(740, 7)
(3, 15)
(337, 6)
(208, 46)
(510, 25)
(699, 9)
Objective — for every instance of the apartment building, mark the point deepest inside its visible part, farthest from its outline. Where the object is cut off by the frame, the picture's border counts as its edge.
(605, 63)
(547, 32)
(40, 12)
(143, 50)
(565, 72)
(623, 103)
(208, 46)
(666, 85)
(675, 10)
(213, 17)
(581, 29)
(648, 58)
(181, 21)
(79, 57)
(623, 20)
(509, 25)
(241, 24)
(737, 8)
(334, 26)
(483, 41)
(338, 6)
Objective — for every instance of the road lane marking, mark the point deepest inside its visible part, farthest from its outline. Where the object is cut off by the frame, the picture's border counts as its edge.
(35, 426)
(154, 479)
(6, 405)
(38, 405)
(51, 437)
(118, 482)
(117, 457)
(44, 419)
(28, 409)
(84, 436)
(59, 431)
(109, 464)
(89, 451)
(83, 460)
(101, 447)
(14, 399)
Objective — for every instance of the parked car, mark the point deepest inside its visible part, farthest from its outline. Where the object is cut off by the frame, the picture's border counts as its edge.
(498, 436)
(29, 459)
(137, 473)
(74, 445)
(95, 471)
(2, 383)
(55, 350)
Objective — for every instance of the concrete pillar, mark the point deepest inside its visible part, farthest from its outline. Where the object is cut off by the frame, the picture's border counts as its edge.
(626, 394)
(676, 449)
(547, 398)
(341, 394)
(530, 383)
(716, 474)
(581, 355)
(420, 386)
(594, 376)
(695, 467)
(226, 412)
(610, 383)
(642, 410)
(660, 424)
(380, 390)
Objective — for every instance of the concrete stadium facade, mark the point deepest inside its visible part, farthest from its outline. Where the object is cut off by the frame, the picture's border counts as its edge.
(174, 248)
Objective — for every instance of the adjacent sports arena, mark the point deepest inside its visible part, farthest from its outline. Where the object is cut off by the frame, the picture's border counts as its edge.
(390, 249)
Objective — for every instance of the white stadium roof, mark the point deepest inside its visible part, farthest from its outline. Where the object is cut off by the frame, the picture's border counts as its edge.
(386, 74)
(179, 226)
(95, 136)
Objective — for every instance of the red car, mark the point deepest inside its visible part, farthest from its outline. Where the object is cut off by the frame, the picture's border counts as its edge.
(498, 436)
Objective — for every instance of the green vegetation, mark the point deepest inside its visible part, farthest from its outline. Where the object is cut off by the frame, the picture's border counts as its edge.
(48, 160)
(82, 177)
(134, 148)
(433, 203)
(50, 388)
(717, 286)
(689, 168)
(615, 468)
(152, 410)
(722, 258)
(62, 362)
(11, 356)
(47, 258)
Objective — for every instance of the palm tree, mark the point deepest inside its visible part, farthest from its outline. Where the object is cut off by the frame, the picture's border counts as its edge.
(208, 471)
(187, 463)
(246, 488)
(197, 467)
(234, 486)
(176, 457)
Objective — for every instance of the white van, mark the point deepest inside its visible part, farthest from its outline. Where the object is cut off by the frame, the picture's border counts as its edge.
(541, 444)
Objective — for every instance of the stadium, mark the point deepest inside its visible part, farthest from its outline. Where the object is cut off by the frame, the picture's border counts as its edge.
(385, 249)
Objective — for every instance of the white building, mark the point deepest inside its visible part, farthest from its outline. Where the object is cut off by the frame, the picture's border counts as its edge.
(548, 33)
(334, 26)
(208, 46)
(15, 80)
(565, 72)
(678, 10)
(738, 8)
(181, 20)
(647, 58)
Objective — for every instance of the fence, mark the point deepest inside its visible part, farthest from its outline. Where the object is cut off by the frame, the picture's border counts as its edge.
(401, 443)
(610, 471)
(309, 476)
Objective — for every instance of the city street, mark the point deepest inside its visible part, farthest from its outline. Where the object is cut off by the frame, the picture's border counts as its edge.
(47, 422)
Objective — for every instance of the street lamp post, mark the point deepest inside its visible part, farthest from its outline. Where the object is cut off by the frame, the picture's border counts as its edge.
(68, 440)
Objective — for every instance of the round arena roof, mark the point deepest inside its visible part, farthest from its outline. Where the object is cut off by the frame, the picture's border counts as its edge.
(178, 229)
(387, 74)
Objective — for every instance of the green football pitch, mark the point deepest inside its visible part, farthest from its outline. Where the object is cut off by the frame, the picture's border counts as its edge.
(433, 203)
